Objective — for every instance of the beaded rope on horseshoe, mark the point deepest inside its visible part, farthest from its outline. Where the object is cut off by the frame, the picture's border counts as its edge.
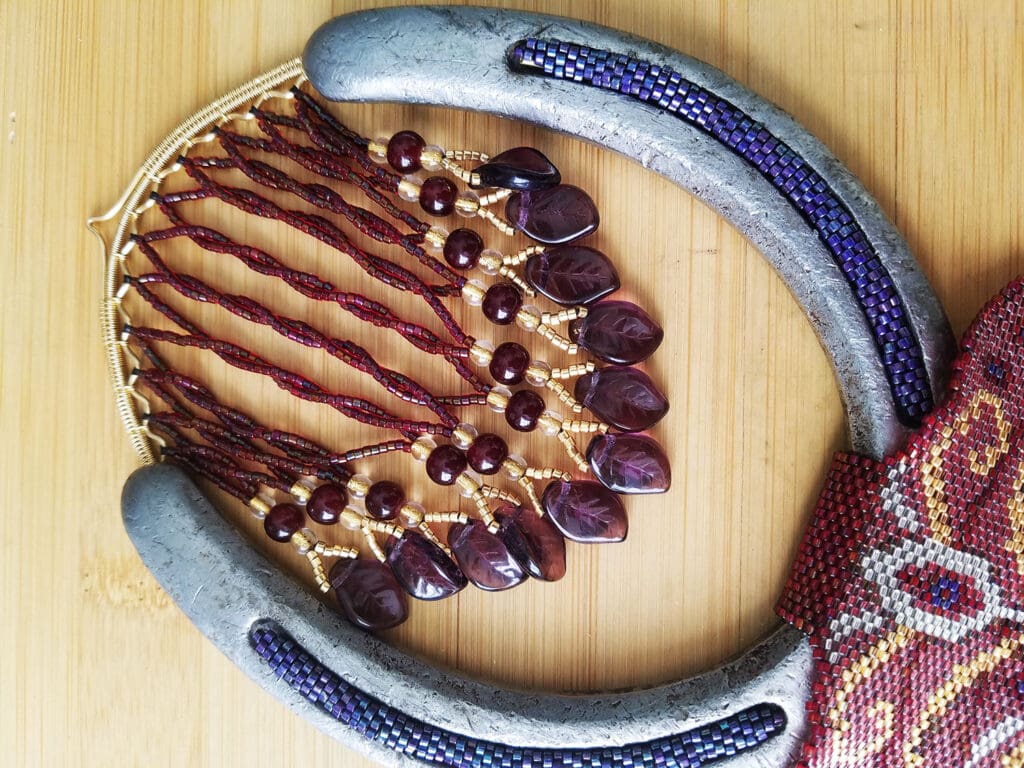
(304, 169)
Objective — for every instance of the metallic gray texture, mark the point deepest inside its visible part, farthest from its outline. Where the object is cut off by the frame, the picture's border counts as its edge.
(455, 57)
(223, 585)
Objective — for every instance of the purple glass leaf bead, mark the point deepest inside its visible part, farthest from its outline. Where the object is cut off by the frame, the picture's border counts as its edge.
(572, 274)
(423, 569)
(624, 397)
(617, 332)
(553, 216)
(629, 463)
(484, 557)
(533, 541)
(522, 169)
(368, 594)
(585, 511)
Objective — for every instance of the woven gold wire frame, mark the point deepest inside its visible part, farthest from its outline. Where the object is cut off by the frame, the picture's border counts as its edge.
(162, 162)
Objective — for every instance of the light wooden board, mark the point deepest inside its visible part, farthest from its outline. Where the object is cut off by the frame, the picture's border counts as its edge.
(922, 101)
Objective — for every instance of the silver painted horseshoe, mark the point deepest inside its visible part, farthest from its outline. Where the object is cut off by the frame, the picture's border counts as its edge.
(847, 266)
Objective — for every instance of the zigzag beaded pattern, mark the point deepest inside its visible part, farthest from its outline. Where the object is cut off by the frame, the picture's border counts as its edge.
(787, 171)
(910, 579)
(414, 738)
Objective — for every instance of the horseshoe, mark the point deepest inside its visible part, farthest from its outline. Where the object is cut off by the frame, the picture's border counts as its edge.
(872, 309)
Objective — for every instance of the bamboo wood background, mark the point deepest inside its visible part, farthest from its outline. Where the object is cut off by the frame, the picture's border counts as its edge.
(922, 101)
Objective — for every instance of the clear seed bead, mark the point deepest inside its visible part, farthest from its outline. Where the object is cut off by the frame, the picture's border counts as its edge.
(490, 261)
(411, 514)
(515, 466)
(435, 238)
(550, 423)
(464, 435)
(431, 157)
(351, 519)
(378, 149)
(498, 397)
(467, 204)
(481, 352)
(409, 188)
(306, 542)
(358, 485)
(528, 318)
(468, 483)
(422, 447)
(538, 373)
(473, 292)
(259, 511)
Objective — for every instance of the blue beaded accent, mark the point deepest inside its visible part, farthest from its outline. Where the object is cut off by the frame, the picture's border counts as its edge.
(787, 171)
(403, 733)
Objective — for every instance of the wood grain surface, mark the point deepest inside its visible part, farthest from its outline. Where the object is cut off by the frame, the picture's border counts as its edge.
(922, 101)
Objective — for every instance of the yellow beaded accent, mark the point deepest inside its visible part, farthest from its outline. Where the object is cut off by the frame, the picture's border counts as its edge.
(300, 491)
(259, 506)
(531, 494)
(446, 517)
(371, 542)
(547, 473)
(494, 197)
(472, 293)
(374, 147)
(496, 493)
(486, 515)
(467, 482)
(408, 188)
(563, 395)
(358, 486)
(565, 438)
(527, 319)
(435, 237)
(499, 223)
(516, 259)
(497, 399)
(557, 340)
(512, 469)
(584, 427)
(574, 370)
(565, 315)
(335, 550)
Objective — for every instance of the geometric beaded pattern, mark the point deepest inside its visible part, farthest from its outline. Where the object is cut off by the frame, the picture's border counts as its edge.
(784, 168)
(414, 738)
(910, 578)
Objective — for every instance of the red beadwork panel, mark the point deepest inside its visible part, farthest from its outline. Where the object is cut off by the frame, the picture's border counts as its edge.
(909, 579)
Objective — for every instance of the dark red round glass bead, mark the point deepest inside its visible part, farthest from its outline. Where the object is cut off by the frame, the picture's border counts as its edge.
(487, 453)
(509, 363)
(326, 504)
(437, 196)
(384, 499)
(462, 248)
(501, 302)
(445, 463)
(282, 521)
(404, 149)
(523, 410)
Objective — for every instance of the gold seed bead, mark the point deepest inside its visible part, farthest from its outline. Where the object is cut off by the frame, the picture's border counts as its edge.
(510, 275)
(379, 526)
(494, 197)
(556, 339)
(498, 398)
(467, 154)
(435, 237)
(565, 315)
(481, 352)
(520, 258)
(351, 519)
(374, 547)
(358, 485)
(500, 224)
(528, 318)
(335, 550)
(490, 492)
(565, 438)
(564, 395)
(455, 169)
(585, 427)
(411, 514)
(547, 473)
(574, 370)
(430, 536)
(531, 494)
(446, 517)
(473, 293)
(422, 447)
(259, 506)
